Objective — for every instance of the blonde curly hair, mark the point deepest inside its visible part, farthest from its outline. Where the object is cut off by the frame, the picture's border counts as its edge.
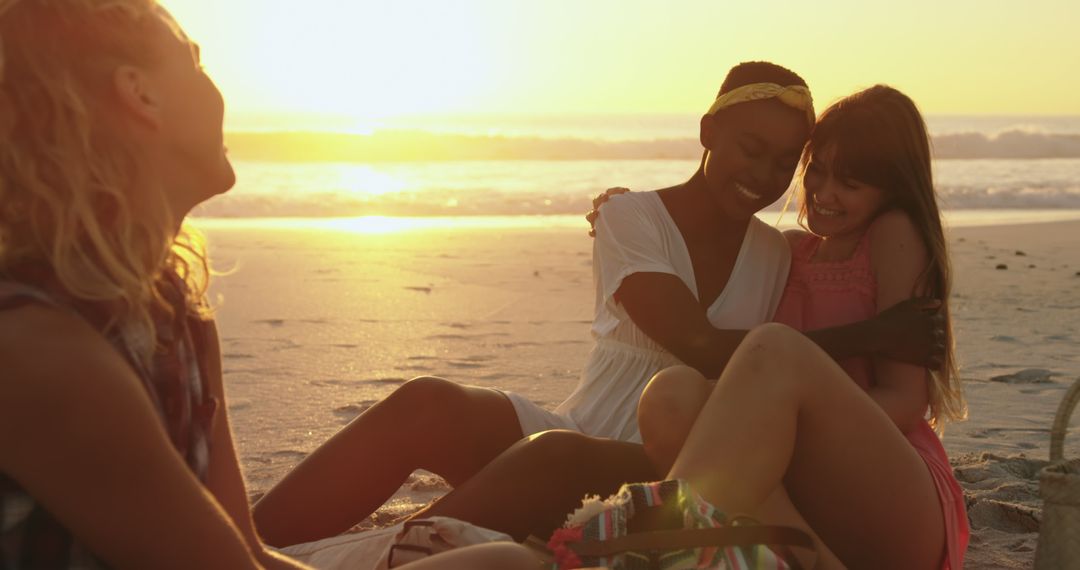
(72, 192)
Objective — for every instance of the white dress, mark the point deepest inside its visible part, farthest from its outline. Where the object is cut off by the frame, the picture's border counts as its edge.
(636, 234)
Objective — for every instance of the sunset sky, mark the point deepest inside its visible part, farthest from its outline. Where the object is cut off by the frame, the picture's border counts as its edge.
(373, 60)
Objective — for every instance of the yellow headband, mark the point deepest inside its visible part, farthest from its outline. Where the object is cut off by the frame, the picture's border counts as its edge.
(795, 96)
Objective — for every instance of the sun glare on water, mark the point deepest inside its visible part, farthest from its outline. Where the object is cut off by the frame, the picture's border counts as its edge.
(363, 179)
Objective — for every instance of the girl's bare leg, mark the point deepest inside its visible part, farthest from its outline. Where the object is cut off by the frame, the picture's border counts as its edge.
(666, 414)
(784, 415)
(427, 423)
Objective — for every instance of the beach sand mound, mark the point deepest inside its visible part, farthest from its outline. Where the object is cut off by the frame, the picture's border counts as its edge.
(1002, 495)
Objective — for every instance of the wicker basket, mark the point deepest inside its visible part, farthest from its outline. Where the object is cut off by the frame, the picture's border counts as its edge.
(1059, 486)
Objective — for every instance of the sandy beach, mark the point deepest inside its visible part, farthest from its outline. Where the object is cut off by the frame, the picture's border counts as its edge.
(319, 322)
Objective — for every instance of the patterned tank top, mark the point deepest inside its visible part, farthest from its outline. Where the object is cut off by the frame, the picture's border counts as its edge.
(30, 537)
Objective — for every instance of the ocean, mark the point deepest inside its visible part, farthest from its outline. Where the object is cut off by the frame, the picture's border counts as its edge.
(997, 168)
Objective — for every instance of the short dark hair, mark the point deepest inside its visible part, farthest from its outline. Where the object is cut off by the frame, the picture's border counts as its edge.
(760, 72)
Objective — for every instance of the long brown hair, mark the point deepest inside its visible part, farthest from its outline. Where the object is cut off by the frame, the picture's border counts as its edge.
(878, 137)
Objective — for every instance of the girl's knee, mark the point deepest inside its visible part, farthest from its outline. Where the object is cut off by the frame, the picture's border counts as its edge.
(773, 345)
(773, 337)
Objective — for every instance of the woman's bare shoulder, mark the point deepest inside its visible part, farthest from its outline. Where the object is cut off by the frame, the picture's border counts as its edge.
(893, 223)
(894, 233)
(35, 328)
(898, 253)
(50, 353)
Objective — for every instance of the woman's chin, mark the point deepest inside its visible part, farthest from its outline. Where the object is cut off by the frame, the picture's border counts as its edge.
(819, 229)
(225, 178)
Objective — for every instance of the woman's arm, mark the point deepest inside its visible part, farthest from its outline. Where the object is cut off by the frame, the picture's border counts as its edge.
(664, 309)
(225, 479)
(80, 435)
(899, 258)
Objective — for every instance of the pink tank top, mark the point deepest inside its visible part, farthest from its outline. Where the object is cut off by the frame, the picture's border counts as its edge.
(826, 294)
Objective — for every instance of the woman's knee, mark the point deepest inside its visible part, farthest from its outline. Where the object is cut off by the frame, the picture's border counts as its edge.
(673, 394)
(668, 408)
(427, 401)
(429, 393)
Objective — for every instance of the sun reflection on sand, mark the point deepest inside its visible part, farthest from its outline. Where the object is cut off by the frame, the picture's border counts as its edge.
(390, 224)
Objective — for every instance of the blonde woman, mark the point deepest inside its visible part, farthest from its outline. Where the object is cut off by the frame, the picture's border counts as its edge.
(115, 447)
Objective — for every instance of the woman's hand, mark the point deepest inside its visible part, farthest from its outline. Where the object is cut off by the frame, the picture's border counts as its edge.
(911, 331)
(599, 201)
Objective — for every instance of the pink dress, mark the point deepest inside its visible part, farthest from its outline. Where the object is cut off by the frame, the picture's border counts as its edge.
(827, 294)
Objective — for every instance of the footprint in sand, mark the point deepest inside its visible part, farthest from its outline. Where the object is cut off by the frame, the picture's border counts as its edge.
(516, 344)
(393, 381)
(460, 364)
(349, 412)
(271, 322)
(464, 337)
(1027, 376)
(327, 383)
(995, 432)
(289, 454)
(420, 289)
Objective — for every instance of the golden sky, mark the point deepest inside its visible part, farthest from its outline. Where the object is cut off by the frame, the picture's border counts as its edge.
(372, 59)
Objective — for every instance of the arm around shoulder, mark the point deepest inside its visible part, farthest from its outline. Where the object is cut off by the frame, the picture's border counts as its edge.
(80, 435)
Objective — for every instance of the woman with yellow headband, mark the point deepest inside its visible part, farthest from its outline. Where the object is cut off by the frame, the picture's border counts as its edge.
(680, 273)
